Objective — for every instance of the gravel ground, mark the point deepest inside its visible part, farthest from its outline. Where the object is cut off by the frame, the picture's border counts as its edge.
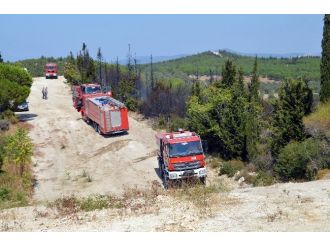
(66, 147)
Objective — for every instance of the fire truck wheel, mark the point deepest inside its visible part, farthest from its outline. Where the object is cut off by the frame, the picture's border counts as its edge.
(203, 180)
(166, 182)
(160, 170)
(98, 129)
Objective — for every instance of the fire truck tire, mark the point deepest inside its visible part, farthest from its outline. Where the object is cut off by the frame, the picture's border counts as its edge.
(160, 170)
(94, 126)
(98, 129)
(166, 182)
(203, 180)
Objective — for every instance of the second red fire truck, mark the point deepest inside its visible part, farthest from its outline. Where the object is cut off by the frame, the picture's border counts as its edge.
(106, 114)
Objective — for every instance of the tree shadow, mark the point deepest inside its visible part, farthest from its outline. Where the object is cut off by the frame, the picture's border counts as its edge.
(114, 135)
(157, 170)
(24, 117)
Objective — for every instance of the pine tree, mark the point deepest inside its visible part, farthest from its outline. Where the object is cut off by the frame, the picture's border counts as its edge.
(252, 116)
(325, 61)
(99, 59)
(289, 111)
(228, 74)
(1, 59)
(238, 85)
(152, 81)
(255, 84)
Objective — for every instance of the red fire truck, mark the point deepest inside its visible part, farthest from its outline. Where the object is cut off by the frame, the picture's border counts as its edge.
(106, 114)
(180, 156)
(51, 71)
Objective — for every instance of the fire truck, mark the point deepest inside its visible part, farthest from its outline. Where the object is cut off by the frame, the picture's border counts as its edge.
(106, 114)
(180, 156)
(51, 71)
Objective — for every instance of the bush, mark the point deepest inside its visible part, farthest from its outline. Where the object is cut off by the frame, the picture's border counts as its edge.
(15, 74)
(214, 162)
(100, 202)
(4, 125)
(18, 150)
(263, 179)
(4, 194)
(9, 115)
(301, 160)
(12, 94)
(231, 167)
(177, 122)
(71, 74)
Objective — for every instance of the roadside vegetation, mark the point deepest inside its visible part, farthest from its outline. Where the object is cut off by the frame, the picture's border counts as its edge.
(16, 181)
(283, 137)
(265, 135)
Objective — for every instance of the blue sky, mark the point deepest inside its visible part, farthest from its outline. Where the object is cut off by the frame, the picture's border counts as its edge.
(29, 36)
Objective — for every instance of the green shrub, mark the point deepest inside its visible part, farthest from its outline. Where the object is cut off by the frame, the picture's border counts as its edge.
(9, 115)
(301, 160)
(71, 74)
(177, 122)
(15, 74)
(18, 150)
(227, 169)
(131, 103)
(5, 193)
(100, 202)
(12, 94)
(263, 179)
(231, 167)
(161, 122)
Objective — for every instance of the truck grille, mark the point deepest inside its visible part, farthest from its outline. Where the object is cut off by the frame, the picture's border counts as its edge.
(187, 166)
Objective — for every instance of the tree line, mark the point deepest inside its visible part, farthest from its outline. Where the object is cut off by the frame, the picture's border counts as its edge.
(227, 112)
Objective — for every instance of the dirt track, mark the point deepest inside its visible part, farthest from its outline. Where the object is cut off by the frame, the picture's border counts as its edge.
(70, 157)
(66, 146)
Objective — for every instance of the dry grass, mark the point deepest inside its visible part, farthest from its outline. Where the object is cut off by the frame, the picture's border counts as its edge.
(204, 198)
(323, 174)
(213, 162)
(320, 119)
(133, 200)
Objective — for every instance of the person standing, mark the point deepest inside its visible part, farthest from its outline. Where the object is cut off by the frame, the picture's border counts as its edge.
(46, 93)
(43, 92)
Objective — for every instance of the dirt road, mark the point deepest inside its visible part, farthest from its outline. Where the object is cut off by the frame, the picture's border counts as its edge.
(70, 157)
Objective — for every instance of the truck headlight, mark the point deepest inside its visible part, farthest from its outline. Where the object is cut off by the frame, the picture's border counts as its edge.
(202, 172)
(173, 175)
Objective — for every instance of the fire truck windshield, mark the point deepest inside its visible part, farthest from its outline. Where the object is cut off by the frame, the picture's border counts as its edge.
(50, 67)
(91, 90)
(185, 149)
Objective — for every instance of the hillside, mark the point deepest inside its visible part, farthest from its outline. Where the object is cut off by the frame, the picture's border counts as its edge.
(273, 68)
(35, 66)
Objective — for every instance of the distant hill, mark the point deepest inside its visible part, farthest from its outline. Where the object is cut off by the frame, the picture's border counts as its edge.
(211, 62)
(155, 59)
(35, 66)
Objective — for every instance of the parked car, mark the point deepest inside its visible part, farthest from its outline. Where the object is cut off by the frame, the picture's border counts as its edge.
(24, 106)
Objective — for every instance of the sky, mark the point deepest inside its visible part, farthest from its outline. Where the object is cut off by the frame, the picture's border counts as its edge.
(31, 36)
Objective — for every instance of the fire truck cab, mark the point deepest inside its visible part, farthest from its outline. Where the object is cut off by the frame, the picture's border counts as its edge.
(83, 91)
(180, 156)
(51, 71)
